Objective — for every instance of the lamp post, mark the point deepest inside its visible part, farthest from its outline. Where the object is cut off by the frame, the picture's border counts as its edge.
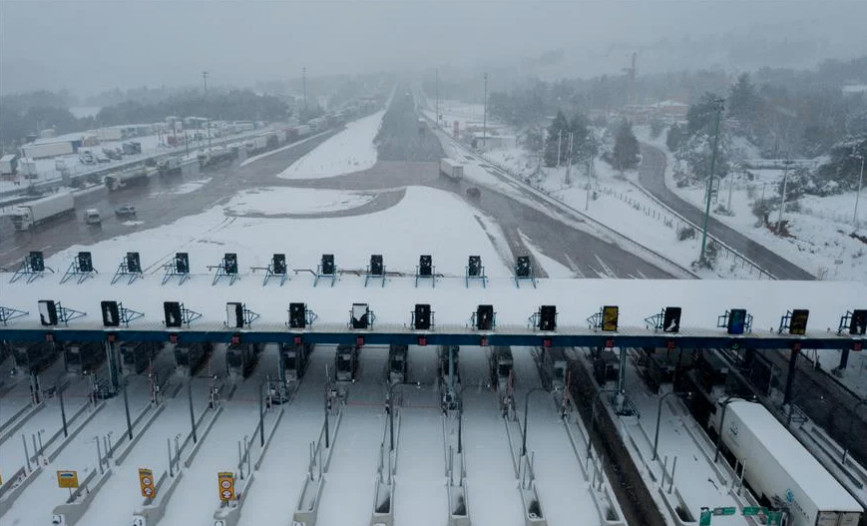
(659, 417)
(858, 194)
(722, 420)
(485, 118)
(526, 411)
(720, 106)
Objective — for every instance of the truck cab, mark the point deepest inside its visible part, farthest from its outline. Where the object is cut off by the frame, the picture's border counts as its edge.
(92, 216)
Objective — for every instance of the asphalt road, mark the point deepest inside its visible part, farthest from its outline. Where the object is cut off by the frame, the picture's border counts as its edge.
(651, 175)
(161, 202)
(410, 156)
(407, 156)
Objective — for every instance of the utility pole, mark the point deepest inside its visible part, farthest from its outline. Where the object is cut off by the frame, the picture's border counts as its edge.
(569, 161)
(304, 87)
(559, 144)
(485, 118)
(205, 81)
(437, 91)
(783, 196)
(858, 195)
(720, 105)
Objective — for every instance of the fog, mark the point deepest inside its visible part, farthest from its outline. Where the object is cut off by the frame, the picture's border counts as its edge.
(87, 47)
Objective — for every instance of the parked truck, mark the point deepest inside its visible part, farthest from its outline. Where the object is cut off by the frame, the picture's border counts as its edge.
(452, 169)
(33, 213)
(780, 469)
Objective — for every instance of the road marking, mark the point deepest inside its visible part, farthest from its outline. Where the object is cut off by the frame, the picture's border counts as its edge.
(574, 267)
(610, 273)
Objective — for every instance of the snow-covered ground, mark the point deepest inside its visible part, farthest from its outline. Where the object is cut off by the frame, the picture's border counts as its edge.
(282, 200)
(351, 150)
(820, 228)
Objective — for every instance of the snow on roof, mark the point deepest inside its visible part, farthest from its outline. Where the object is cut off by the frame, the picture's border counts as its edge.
(855, 88)
(8, 157)
(671, 103)
(69, 137)
(813, 479)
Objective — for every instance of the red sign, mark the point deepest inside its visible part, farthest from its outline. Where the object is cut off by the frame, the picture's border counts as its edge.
(359, 341)
(111, 337)
(609, 343)
(422, 340)
(546, 342)
(857, 346)
(671, 344)
(298, 340)
(49, 337)
(484, 342)
(173, 337)
(236, 339)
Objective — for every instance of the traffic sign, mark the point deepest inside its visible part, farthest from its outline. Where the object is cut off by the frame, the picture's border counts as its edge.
(609, 318)
(704, 518)
(227, 485)
(146, 482)
(749, 511)
(725, 511)
(67, 479)
(798, 323)
(775, 518)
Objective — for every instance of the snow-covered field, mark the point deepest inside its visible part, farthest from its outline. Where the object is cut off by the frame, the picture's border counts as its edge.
(819, 228)
(351, 150)
(282, 200)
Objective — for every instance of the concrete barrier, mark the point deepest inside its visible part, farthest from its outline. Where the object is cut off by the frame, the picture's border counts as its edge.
(459, 506)
(308, 505)
(18, 419)
(533, 515)
(231, 514)
(76, 506)
(13, 487)
(201, 438)
(119, 457)
(383, 505)
(72, 434)
(153, 511)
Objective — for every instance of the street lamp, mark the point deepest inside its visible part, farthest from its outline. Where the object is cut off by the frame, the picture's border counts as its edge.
(659, 416)
(526, 408)
(858, 194)
(722, 420)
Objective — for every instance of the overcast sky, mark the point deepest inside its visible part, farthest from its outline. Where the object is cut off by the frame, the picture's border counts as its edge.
(89, 46)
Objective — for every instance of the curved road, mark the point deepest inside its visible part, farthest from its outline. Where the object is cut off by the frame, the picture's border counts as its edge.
(651, 175)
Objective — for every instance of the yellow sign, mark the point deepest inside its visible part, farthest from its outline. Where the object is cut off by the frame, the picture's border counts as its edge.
(609, 318)
(227, 485)
(67, 479)
(146, 481)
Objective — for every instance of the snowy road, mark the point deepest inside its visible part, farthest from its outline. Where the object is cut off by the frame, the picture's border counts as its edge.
(34, 505)
(420, 492)
(196, 498)
(347, 499)
(492, 487)
(564, 494)
(121, 495)
(281, 476)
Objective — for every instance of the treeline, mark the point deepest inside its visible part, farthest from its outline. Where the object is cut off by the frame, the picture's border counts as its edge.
(800, 112)
(25, 114)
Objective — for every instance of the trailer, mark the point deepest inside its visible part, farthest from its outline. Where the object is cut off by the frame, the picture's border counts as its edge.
(780, 471)
(9, 164)
(34, 213)
(451, 169)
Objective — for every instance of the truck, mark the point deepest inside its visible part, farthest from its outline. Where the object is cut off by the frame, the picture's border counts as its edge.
(9, 164)
(451, 169)
(780, 470)
(33, 213)
(137, 175)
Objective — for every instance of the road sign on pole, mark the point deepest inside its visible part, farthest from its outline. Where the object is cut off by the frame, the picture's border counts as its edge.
(725, 511)
(146, 481)
(67, 479)
(704, 518)
(227, 485)
(749, 511)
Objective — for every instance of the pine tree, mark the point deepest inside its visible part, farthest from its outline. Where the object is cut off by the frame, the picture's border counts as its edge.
(557, 142)
(625, 154)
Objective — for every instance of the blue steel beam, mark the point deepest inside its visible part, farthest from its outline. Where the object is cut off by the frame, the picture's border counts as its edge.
(463, 338)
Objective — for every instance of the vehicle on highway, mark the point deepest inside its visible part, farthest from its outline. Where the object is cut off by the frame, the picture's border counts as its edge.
(451, 169)
(33, 213)
(92, 217)
(125, 211)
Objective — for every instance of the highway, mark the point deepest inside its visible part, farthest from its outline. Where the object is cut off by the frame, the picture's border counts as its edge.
(651, 175)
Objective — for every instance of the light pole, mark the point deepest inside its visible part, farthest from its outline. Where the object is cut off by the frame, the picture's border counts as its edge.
(722, 420)
(858, 195)
(720, 105)
(205, 81)
(485, 118)
(526, 410)
(786, 163)
(659, 417)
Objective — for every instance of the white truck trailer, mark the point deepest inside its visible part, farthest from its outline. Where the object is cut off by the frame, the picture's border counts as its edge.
(32, 213)
(778, 468)
(452, 169)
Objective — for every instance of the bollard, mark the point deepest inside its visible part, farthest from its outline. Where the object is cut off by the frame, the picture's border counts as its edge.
(26, 452)
(171, 465)
(671, 477)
